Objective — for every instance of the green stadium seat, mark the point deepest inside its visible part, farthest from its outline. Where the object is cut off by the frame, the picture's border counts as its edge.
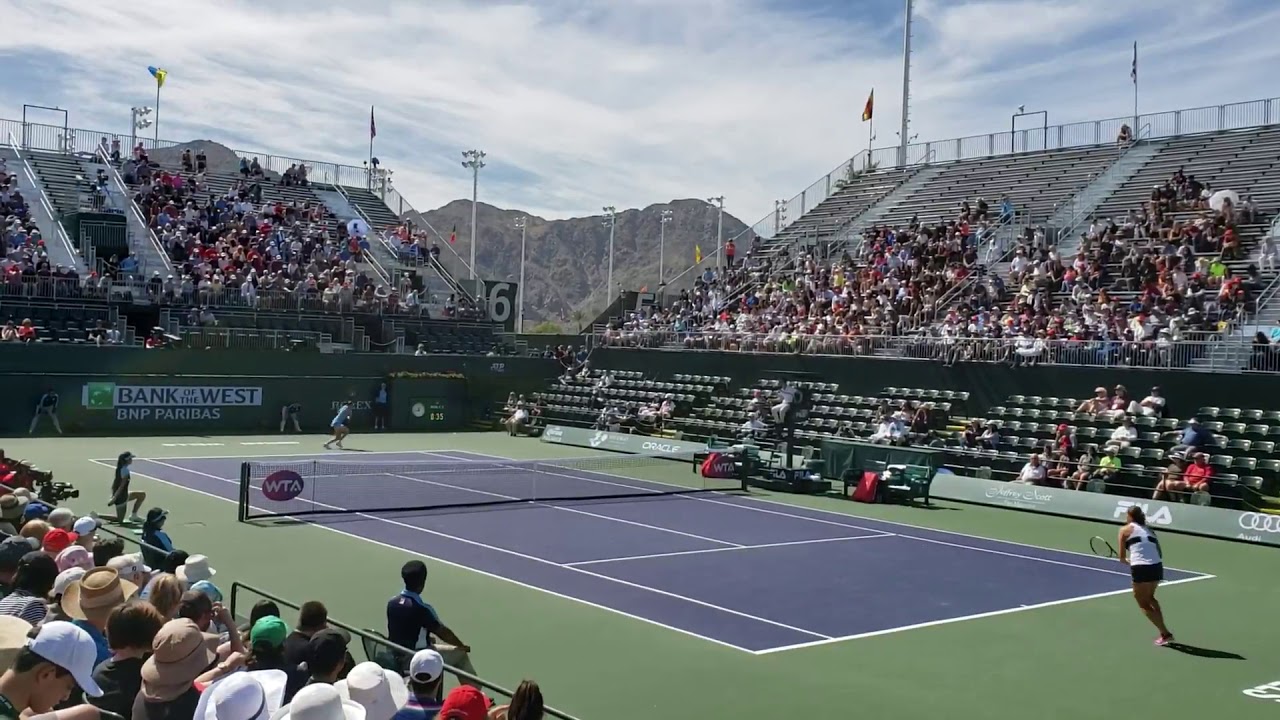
(1245, 464)
(1207, 411)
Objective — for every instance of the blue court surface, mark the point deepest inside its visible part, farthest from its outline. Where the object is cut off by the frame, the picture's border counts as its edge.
(749, 573)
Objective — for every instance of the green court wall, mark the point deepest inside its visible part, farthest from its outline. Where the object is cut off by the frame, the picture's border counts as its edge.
(131, 391)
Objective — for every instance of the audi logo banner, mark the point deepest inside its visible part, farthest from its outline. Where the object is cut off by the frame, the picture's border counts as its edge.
(1251, 527)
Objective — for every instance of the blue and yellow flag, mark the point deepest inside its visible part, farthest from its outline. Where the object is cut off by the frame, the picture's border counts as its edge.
(159, 74)
(697, 254)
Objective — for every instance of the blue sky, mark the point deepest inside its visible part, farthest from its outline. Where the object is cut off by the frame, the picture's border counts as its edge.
(624, 102)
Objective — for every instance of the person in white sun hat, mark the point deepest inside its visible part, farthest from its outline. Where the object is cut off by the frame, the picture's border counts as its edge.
(253, 695)
(319, 702)
(380, 692)
(195, 569)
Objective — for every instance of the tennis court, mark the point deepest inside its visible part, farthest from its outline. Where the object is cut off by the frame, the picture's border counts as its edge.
(739, 571)
(721, 604)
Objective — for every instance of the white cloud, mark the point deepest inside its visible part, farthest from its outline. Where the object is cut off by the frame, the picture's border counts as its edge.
(625, 102)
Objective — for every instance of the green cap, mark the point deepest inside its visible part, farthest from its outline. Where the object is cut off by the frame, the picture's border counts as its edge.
(269, 629)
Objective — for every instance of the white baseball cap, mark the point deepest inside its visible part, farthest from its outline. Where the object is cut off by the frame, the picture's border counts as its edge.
(71, 649)
(129, 564)
(65, 578)
(86, 526)
(426, 666)
(379, 691)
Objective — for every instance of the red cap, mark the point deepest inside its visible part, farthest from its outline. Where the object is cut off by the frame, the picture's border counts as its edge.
(57, 540)
(466, 703)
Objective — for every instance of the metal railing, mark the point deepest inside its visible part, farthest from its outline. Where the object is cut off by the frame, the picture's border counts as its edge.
(234, 338)
(59, 232)
(1181, 354)
(1173, 123)
(382, 649)
(1079, 209)
(56, 138)
(149, 234)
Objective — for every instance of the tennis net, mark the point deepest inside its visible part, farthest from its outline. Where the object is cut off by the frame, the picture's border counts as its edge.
(323, 486)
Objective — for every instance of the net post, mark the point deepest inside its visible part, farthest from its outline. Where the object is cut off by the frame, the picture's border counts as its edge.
(242, 511)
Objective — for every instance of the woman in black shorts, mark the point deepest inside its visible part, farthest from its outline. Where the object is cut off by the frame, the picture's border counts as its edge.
(120, 493)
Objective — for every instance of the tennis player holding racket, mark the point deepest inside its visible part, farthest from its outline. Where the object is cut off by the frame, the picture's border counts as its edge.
(1140, 550)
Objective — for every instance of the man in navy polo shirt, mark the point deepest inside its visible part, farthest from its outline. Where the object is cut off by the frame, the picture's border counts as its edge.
(411, 621)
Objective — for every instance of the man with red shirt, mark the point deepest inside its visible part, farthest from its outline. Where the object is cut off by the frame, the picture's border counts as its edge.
(1195, 478)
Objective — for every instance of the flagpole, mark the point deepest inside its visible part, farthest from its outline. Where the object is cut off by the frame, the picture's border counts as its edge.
(871, 136)
(157, 134)
(1136, 129)
(372, 132)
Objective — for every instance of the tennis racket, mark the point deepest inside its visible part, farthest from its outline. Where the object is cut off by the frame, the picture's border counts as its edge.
(1101, 547)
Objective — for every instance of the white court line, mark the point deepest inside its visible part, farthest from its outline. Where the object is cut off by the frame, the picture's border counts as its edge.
(576, 511)
(443, 561)
(515, 553)
(318, 453)
(703, 498)
(625, 558)
(976, 616)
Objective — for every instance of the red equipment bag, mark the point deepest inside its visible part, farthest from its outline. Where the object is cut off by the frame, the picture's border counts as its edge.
(867, 486)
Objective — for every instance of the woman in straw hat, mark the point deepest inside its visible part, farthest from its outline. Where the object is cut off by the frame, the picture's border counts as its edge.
(13, 637)
(90, 601)
(181, 656)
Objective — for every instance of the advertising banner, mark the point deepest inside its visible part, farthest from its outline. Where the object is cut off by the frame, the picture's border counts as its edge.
(166, 402)
(619, 442)
(1252, 527)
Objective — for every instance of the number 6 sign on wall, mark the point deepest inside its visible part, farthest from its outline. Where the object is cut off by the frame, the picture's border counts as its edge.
(500, 298)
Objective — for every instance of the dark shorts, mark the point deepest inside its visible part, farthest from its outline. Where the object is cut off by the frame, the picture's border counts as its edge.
(1147, 573)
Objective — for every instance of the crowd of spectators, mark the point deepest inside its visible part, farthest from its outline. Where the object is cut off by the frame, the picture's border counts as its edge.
(91, 631)
(893, 283)
(1137, 286)
(231, 247)
(1064, 461)
(25, 267)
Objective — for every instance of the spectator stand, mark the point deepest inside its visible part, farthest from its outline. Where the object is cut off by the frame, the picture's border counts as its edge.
(584, 399)
(374, 645)
(65, 322)
(293, 246)
(24, 240)
(265, 330)
(431, 337)
(152, 255)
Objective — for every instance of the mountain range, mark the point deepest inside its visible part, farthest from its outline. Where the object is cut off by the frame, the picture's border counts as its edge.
(567, 261)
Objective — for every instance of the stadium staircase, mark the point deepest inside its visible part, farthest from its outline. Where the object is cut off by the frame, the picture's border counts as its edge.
(438, 282)
(65, 193)
(1247, 162)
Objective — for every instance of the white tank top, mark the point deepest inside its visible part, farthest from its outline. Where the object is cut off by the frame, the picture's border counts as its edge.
(1144, 548)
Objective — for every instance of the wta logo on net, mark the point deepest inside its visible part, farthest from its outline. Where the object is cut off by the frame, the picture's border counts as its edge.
(282, 486)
